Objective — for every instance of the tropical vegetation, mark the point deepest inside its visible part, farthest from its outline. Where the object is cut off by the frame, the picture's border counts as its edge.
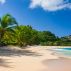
(13, 34)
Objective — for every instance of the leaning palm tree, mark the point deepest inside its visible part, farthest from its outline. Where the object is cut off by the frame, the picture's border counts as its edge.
(7, 24)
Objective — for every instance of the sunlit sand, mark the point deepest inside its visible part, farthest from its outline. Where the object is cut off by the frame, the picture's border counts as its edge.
(34, 58)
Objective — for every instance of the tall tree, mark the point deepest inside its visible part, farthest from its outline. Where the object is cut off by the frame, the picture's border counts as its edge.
(23, 34)
(7, 24)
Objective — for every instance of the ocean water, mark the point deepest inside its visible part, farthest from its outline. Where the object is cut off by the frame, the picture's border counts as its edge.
(63, 51)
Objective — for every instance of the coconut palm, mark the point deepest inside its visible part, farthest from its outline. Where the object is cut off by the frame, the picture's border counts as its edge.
(7, 24)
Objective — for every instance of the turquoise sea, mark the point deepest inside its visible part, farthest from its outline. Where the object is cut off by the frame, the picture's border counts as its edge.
(66, 51)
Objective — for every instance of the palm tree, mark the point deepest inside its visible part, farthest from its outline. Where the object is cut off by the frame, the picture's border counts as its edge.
(7, 24)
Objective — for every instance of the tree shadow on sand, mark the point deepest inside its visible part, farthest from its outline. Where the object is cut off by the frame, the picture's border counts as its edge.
(17, 52)
(4, 63)
(5, 51)
(61, 64)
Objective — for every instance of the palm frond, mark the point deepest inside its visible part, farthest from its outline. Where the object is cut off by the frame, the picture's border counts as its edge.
(8, 20)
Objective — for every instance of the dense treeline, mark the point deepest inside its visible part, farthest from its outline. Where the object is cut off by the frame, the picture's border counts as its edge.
(13, 34)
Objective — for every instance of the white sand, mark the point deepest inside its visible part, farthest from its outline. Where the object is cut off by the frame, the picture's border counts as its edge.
(35, 58)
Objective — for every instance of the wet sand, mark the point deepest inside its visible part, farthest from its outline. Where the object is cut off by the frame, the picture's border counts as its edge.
(34, 58)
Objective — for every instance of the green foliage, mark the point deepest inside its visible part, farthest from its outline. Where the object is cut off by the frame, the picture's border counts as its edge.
(12, 34)
(26, 36)
(34, 37)
(23, 35)
(7, 24)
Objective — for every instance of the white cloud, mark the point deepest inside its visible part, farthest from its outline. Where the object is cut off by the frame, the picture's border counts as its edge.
(50, 5)
(2, 1)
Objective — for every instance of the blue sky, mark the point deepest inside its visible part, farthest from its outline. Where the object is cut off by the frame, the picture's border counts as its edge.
(50, 15)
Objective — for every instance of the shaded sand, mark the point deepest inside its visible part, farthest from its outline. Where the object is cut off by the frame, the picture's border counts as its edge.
(34, 58)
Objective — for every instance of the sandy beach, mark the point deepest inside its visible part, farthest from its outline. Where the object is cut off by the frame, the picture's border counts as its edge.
(33, 58)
